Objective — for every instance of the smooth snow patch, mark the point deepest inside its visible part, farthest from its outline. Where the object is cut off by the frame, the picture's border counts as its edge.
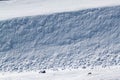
(19, 8)
(110, 73)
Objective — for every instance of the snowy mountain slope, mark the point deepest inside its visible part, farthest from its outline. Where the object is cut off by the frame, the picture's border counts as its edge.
(67, 40)
(18, 8)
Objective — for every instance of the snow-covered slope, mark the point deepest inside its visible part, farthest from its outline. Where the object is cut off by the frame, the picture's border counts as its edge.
(18, 8)
(72, 39)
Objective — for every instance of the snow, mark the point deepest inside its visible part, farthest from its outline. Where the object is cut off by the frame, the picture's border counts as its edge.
(67, 41)
(19, 8)
(74, 39)
(98, 73)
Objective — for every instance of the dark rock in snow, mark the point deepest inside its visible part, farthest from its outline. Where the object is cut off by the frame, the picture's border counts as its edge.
(89, 73)
(43, 71)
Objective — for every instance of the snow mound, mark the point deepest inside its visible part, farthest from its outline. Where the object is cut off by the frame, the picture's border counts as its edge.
(68, 40)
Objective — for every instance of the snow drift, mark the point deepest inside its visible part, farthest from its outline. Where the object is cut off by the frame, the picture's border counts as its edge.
(68, 40)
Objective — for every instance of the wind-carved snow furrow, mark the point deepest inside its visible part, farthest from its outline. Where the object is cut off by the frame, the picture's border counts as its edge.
(68, 40)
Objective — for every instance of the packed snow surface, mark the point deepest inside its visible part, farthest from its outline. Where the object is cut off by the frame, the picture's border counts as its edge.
(110, 73)
(18, 8)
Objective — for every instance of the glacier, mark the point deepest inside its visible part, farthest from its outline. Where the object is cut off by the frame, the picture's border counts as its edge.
(85, 38)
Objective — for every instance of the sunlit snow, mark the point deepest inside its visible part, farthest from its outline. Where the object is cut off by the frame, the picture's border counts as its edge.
(109, 73)
(19, 8)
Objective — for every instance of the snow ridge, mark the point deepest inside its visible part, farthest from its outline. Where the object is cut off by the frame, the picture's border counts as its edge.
(67, 40)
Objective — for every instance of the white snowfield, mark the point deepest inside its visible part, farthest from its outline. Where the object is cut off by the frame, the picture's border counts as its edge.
(18, 8)
(109, 73)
